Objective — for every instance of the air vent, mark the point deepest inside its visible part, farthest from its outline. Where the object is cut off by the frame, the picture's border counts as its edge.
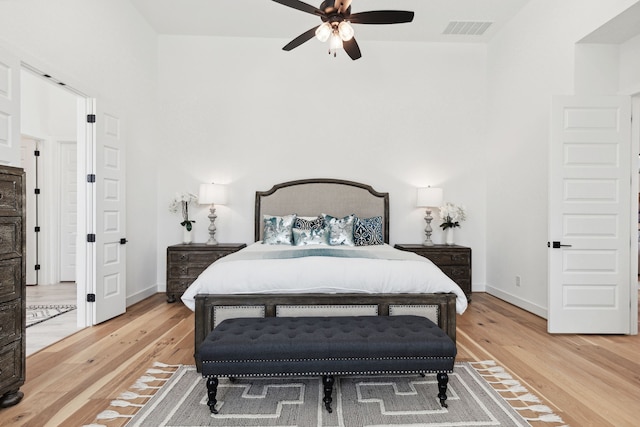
(467, 28)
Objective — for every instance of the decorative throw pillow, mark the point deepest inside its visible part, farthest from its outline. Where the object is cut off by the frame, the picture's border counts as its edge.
(309, 224)
(277, 229)
(302, 237)
(340, 229)
(368, 231)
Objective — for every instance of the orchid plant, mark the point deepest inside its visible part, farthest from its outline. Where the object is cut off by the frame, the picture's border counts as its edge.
(181, 203)
(451, 215)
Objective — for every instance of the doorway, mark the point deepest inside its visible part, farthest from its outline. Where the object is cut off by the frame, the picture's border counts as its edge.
(49, 157)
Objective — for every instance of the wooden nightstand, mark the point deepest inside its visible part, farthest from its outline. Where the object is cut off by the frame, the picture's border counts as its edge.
(453, 260)
(186, 262)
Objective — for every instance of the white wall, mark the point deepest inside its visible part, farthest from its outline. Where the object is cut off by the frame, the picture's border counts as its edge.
(630, 66)
(529, 61)
(245, 113)
(106, 50)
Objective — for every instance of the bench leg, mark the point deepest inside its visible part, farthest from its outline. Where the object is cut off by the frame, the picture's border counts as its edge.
(327, 381)
(212, 390)
(443, 379)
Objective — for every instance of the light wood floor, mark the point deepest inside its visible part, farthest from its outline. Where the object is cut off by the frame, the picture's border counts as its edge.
(587, 380)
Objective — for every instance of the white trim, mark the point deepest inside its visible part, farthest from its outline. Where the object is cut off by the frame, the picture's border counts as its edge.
(517, 301)
(635, 189)
(143, 294)
(83, 277)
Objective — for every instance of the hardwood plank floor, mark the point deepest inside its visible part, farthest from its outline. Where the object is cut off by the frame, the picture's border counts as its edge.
(588, 380)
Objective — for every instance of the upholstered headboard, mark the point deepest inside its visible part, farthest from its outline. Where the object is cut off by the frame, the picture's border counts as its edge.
(311, 197)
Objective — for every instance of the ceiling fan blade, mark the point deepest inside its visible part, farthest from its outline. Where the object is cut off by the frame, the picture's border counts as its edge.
(382, 17)
(352, 49)
(306, 36)
(299, 5)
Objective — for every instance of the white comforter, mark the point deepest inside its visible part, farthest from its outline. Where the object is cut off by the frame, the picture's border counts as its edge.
(394, 271)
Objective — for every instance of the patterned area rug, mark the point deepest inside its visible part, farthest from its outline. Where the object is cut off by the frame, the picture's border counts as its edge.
(479, 394)
(41, 313)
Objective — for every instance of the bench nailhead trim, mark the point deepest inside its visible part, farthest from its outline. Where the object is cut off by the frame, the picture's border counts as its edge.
(306, 373)
(329, 359)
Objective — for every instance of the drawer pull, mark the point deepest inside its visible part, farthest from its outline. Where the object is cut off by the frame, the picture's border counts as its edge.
(183, 257)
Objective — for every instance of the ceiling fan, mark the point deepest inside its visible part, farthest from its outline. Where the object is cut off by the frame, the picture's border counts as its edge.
(336, 26)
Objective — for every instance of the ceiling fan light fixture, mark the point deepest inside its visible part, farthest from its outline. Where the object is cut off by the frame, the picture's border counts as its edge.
(336, 23)
(346, 31)
(335, 42)
(323, 32)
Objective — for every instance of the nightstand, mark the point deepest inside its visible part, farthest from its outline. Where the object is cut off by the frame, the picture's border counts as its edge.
(453, 260)
(186, 262)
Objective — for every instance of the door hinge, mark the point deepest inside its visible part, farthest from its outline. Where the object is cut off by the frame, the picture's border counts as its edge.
(36, 229)
(91, 297)
(37, 267)
(91, 177)
(36, 153)
(36, 191)
(91, 238)
(91, 118)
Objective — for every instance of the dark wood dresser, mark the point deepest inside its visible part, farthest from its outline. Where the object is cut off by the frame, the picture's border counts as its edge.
(12, 285)
(186, 262)
(453, 260)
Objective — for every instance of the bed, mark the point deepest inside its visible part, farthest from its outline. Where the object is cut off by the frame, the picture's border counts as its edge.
(218, 294)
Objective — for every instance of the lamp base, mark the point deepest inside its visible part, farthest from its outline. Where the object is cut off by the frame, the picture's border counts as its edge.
(428, 230)
(212, 227)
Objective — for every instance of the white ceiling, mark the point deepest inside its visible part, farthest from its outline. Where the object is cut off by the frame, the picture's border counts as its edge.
(265, 18)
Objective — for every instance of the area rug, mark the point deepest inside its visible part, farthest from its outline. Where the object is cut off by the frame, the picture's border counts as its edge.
(479, 394)
(41, 313)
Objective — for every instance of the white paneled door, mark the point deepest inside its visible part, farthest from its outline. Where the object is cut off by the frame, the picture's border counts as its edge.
(590, 215)
(68, 193)
(109, 214)
(9, 109)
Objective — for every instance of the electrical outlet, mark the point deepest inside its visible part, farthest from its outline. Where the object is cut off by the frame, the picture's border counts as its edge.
(517, 280)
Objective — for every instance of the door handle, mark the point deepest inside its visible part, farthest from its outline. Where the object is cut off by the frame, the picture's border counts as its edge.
(557, 245)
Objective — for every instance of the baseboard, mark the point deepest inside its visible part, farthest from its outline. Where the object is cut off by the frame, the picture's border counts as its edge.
(518, 302)
(140, 295)
(480, 287)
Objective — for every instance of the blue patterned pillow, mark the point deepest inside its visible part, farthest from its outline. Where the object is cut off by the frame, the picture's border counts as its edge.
(277, 229)
(309, 224)
(317, 236)
(340, 229)
(368, 231)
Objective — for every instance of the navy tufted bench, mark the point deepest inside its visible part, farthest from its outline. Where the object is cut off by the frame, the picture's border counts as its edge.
(326, 346)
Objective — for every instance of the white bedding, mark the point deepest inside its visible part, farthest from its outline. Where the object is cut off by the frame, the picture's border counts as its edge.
(394, 271)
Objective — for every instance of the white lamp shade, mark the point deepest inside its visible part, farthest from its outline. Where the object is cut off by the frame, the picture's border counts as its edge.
(323, 32)
(429, 197)
(212, 194)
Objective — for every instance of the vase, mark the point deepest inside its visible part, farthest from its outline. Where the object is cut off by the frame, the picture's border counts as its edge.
(186, 236)
(448, 236)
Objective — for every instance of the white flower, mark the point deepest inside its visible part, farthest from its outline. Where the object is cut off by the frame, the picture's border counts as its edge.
(451, 215)
(181, 203)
